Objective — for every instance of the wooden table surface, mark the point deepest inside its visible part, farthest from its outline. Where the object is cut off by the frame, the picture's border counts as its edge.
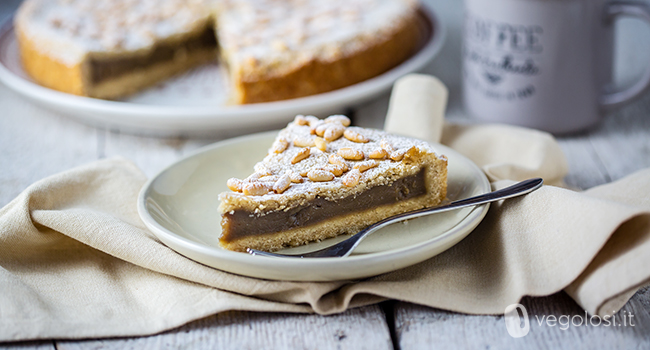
(36, 143)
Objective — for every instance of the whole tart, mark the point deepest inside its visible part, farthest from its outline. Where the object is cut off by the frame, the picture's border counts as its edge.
(324, 178)
(272, 50)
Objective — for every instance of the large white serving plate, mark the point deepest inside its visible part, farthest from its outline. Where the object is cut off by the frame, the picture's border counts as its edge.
(180, 206)
(195, 102)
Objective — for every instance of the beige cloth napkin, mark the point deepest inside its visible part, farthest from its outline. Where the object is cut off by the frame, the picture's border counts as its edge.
(77, 262)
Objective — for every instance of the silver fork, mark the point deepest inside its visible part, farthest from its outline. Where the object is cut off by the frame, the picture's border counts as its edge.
(345, 248)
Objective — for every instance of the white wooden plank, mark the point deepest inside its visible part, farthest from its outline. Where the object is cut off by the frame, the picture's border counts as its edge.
(419, 327)
(622, 142)
(150, 154)
(585, 167)
(361, 328)
(36, 143)
(153, 153)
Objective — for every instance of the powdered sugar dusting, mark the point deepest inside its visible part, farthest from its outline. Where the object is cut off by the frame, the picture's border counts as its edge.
(260, 31)
(317, 28)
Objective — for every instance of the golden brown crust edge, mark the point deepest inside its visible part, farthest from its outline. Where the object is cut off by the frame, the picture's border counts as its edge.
(317, 76)
(436, 181)
(48, 72)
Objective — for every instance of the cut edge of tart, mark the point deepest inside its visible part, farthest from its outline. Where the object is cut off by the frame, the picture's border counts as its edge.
(324, 178)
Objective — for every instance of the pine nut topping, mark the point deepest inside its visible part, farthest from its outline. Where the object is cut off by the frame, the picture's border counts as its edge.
(334, 132)
(256, 188)
(399, 154)
(336, 159)
(254, 176)
(352, 178)
(295, 177)
(336, 169)
(302, 154)
(271, 178)
(379, 153)
(355, 136)
(387, 146)
(312, 121)
(341, 119)
(363, 166)
(301, 120)
(261, 169)
(314, 126)
(303, 142)
(319, 175)
(321, 144)
(234, 184)
(320, 129)
(350, 153)
(279, 145)
(283, 183)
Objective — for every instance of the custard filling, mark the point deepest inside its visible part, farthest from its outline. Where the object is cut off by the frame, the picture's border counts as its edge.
(240, 223)
(102, 68)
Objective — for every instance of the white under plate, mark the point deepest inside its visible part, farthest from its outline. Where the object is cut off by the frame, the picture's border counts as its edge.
(180, 206)
(194, 102)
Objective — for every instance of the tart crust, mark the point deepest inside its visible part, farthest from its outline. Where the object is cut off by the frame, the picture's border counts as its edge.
(317, 75)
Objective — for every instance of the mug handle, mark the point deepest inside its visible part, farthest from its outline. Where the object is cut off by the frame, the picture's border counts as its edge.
(612, 11)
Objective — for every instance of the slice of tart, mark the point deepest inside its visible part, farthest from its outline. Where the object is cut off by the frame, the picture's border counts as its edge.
(324, 178)
(110, 49)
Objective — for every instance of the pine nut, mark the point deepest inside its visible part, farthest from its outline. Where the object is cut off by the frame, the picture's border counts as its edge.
(283, 183)
(303, 142)
(352, 178)
(355, 136)
(338, 118)
(387, 146)
(334, 132)
(295, 177)
(363, 166)
(319, 175)
(234, 184)
(256, 188)
(350, 153)
(379, 153)
(279, 146)
(301, 120)
(302, 154)
(336, 169)
(320, 144)
(336, 159)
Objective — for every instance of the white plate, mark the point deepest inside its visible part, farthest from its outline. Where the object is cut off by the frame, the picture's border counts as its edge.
(193, 102)
(179, 205)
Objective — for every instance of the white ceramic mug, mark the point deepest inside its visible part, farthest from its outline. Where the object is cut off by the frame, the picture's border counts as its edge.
(545, 64)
